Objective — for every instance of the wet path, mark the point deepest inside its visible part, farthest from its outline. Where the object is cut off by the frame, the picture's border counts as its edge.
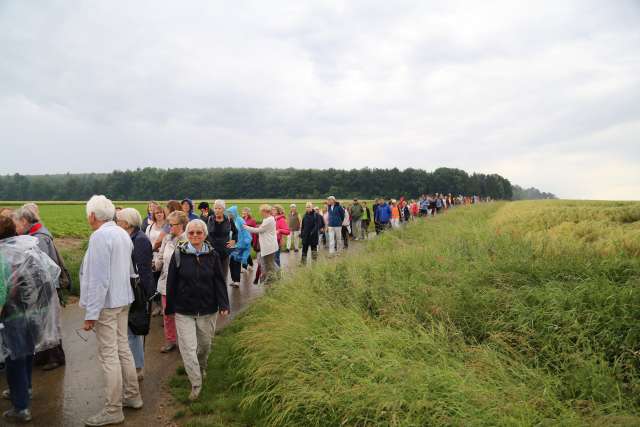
(66, 396)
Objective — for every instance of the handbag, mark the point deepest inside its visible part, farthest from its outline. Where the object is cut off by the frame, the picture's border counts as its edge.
(140, 309)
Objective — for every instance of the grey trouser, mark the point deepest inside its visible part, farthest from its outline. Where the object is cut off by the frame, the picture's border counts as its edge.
(195, 334)
(357, 228)
(335, 239)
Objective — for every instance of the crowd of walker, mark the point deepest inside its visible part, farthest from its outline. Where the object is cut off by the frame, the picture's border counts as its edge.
(173, 256)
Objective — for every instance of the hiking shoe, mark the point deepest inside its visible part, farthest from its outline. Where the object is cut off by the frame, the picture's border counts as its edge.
(23, 416)
(51, 366)
(6, 394)
(195, 393)
(168, 347)
(103, 418)
(235, 285)
(132, 403)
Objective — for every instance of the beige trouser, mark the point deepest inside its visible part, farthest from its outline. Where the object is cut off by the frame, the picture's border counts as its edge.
(114, 356)
(195, 334)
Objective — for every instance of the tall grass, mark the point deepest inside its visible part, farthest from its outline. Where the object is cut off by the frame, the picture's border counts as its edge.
(503, 314)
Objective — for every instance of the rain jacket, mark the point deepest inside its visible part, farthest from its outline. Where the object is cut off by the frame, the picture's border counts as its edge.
(336, 215)
(195, 286)
(31, 310)
(282, 227)
(383, 213)
(243, 244)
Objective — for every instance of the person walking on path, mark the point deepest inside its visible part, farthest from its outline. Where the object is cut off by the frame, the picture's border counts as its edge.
(268, 242)
(223, 235)
(196, 294)
(105, 294)
(282, 228)
(27, 220)
(382, 216)
(366, 220)
(294, 227)
(239, 257)
(29, 312)
(309, 234)
(151, 206)
(356, 219)
(205, 212)
(250, 221)
(346, 228)
(325, 231)
(395, 214)
(321, 224)
(177, 223)
(130, 221)
(335, 218)
(187, 207)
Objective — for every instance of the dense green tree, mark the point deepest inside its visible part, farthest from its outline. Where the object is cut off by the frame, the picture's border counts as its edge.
(165, 184)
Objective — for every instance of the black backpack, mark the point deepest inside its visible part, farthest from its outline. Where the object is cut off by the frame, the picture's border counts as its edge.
(140, 309)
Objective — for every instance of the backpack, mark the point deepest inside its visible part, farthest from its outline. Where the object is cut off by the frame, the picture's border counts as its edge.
(140, 309)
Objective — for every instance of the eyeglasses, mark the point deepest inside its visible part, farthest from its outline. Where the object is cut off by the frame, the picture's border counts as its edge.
(196, 233)
(173, 225)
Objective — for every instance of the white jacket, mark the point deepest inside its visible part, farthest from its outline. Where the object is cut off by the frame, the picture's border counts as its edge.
(161, 263)
(266, 236)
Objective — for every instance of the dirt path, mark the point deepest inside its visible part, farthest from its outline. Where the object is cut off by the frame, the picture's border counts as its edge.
(67, 396)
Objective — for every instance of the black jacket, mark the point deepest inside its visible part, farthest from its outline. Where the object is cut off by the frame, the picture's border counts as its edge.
(220, 233)
(196, 287)
(142, 259)
(309, 230)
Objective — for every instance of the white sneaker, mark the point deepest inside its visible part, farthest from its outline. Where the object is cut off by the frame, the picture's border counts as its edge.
(103, 418)
(136, 403)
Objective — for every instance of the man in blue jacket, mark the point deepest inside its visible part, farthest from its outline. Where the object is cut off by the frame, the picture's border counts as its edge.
(336, 216)
(383, 216)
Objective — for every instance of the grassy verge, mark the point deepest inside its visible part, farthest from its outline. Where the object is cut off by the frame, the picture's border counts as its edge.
(516, 314)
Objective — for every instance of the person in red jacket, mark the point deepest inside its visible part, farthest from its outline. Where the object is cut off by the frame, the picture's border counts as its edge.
(282, 227)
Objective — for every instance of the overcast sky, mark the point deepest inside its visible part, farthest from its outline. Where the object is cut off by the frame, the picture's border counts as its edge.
(545, 93)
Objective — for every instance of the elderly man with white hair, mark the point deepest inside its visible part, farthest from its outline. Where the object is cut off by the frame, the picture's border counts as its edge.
(105, 293)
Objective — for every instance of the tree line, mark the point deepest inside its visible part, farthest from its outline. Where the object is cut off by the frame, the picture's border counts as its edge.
(250, 183)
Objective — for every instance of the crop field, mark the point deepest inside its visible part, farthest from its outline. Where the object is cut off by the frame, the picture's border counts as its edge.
(520, 314)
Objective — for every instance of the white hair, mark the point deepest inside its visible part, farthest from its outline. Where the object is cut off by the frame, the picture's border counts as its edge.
(130, 216)
(220, 203)
(29, 213)
(101, 207)
(196, 223)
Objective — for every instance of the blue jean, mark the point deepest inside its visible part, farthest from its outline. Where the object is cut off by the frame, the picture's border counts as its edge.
(136, 343)
(19, 380)
(278, 257)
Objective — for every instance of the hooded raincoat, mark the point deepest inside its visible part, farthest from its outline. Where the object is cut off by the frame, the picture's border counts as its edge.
(243, 246)
(30, 314)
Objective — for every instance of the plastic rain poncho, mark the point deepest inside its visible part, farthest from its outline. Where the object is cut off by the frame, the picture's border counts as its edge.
(243, 245)
(31, 311)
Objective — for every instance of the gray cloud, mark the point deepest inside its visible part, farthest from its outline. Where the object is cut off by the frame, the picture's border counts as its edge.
(543, 93)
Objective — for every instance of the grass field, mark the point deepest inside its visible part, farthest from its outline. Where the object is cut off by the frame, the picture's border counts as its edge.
(502, 314)
(68, 224)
